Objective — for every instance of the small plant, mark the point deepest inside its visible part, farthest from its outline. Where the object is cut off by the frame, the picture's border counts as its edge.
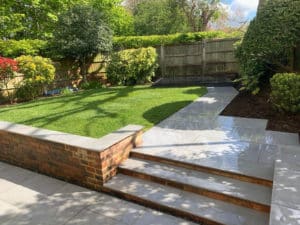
(8, 69)
(66, 91)
(38, 72)
(91, 85)
(285, 93)
(132, 66)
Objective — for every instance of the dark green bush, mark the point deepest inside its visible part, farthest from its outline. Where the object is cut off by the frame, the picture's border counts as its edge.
(14, 48)
(28, 91)
(285, 93)
(268, 45)
(132, 66)
(91, 85)
(156, 40)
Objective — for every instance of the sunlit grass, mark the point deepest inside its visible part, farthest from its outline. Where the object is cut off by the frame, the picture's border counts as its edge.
(98, 112)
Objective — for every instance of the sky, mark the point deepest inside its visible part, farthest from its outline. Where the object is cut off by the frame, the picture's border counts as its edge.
(247, 7)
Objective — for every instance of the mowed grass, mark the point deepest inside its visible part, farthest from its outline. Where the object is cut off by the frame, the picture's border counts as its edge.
(96, 113)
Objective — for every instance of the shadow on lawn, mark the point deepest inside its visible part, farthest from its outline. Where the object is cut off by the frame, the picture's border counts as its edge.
(154, 115)
(66, 106)
(81, 105)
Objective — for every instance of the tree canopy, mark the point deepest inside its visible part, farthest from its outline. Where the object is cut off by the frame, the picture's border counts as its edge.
(81, 34)
(36, 19)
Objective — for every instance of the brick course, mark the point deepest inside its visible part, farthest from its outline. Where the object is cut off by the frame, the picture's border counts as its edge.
(75, 164)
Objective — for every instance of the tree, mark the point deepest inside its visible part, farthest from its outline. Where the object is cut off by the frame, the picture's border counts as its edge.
(233, 20)
(10, 23)
(121, 21)
(81, 34)
(200, 12)
(36, 19)
(158, 17)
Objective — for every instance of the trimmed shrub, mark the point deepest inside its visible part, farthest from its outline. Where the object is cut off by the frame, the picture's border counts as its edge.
(156, 40)
(285, 93)
(38, 72)
(14, 48)
(268, 45)
(132, 66)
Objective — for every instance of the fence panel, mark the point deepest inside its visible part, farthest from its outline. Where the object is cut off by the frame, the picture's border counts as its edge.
(209, 58)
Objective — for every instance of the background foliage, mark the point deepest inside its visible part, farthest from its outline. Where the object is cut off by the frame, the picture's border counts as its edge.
(14, 48)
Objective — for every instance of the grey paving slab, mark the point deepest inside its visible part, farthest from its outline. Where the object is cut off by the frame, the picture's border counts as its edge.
(285, 207)
(246, 158)
(281, 215)
(230, 187)
(199, 205)
(197, 134)
(34, 199)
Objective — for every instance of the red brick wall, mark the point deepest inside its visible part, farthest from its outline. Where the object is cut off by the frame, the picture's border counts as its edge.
(73, 164)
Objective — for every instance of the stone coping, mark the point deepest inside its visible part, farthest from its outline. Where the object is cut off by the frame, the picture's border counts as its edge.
(285, 207)
(92, 144)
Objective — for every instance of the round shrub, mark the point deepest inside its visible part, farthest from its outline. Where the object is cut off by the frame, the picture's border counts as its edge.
(132, 66)
(38, 72)
(285, 93)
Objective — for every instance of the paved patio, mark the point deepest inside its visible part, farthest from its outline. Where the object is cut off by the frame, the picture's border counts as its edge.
(28, 198)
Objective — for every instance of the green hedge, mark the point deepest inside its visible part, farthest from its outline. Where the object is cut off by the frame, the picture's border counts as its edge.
(269, 42)
(285, 93)
(127, 42)
(132, 66)
(14, 48)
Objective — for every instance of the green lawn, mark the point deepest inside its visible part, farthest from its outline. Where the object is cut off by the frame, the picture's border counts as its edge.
(95, 113)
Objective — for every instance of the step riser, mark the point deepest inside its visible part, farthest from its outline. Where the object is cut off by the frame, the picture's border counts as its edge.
(204, 169)
(197, 190)
(156, 206)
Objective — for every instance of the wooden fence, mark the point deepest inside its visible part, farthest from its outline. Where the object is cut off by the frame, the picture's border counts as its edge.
(211, 60)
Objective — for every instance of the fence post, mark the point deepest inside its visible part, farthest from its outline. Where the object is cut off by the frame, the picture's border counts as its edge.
(203, 57)
(162, 61)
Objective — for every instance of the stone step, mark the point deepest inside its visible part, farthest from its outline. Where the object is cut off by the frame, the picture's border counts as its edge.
(212, 169)
(245, 194)
(184, 204)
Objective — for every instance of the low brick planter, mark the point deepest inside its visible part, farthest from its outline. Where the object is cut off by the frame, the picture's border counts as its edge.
(84, 161)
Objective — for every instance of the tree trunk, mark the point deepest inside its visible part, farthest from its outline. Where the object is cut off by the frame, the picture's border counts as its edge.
(83, 70)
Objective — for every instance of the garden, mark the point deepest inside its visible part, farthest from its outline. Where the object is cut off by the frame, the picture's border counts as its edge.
(48, 76)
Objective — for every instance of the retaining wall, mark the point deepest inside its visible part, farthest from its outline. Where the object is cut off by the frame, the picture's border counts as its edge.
(84, 161)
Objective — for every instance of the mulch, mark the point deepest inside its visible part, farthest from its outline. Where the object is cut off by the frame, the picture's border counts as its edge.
(259, 106)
